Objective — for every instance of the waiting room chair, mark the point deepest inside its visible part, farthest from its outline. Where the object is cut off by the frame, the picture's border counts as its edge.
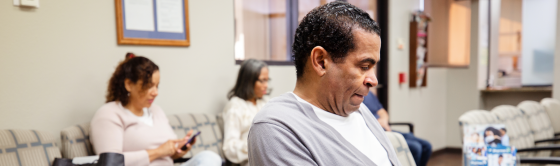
(75, 139)
(518, 129)
(538, 118)
(540, 124)
(210, 137)
(409, 125)
(401, 148)
(552, 107)
(27, 148)
(475, 117)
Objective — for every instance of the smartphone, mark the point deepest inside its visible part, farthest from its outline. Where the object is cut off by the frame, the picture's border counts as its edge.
(190, 140)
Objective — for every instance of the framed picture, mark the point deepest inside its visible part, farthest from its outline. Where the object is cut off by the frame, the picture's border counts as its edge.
(152, 22)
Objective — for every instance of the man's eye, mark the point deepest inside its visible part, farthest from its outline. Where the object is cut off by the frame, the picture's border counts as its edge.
(365, 68)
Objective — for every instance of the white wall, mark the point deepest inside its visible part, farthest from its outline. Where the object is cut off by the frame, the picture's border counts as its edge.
(55, 62)
(462, 86)
(450, 92)
(425, 107)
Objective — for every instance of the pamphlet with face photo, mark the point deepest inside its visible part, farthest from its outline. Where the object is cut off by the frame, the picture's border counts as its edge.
(501, 156)
(485, 135)
(487, 145)
(476, 156)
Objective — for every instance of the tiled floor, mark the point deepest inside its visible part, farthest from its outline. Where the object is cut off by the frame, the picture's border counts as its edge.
(445, 159)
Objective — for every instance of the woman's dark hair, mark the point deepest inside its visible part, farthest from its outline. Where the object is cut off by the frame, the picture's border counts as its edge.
(248, 75)
(134, 68)
(330, 26)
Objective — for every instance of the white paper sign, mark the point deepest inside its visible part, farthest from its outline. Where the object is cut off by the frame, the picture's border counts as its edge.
(139, 15)
(85, 159)
(170, 16)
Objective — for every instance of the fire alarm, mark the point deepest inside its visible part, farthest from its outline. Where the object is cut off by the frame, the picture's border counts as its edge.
(402, 78)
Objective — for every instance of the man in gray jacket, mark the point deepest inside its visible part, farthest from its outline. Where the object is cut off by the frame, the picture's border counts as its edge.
(323, 121)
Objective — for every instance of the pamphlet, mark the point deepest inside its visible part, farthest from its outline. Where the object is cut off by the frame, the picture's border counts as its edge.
(487, 145)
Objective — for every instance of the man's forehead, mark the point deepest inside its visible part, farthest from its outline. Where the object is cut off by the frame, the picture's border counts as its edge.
(368, 45)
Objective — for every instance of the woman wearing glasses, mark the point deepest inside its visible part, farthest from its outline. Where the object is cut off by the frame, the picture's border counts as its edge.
(245, 100)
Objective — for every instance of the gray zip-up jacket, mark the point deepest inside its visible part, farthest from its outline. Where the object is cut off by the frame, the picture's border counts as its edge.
(287, 132)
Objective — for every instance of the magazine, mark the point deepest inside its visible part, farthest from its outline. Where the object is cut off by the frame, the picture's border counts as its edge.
(487, 145)
(501, 156)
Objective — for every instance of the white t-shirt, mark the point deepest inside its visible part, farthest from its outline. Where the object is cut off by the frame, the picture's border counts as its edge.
(354, 129)
(146, 118)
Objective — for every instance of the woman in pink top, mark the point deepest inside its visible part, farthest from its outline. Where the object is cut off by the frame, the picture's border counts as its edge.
(130, 124)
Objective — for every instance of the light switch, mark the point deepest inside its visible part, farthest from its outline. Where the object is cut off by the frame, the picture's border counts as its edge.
(30, 3)
(400, 44)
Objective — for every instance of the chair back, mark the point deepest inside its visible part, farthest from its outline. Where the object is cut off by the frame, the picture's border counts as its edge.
(401, 148)
(552, 107)
(75, 141)
(27, 147)
(210, 137)
(518, 128)
(475, 117)
(538, 119)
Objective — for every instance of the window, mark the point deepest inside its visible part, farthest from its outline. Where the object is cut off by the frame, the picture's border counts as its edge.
(522, 43)
(448, 33)
(264, 29)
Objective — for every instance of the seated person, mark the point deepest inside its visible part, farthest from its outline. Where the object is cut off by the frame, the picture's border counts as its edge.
(323, 121)
(245, 100)
(505, 137)
(130, 124)
(421, 149)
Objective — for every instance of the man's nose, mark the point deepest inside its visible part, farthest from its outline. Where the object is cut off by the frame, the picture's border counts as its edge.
(371, 80)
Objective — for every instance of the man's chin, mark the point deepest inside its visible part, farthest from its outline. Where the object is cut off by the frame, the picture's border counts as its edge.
(351, 108)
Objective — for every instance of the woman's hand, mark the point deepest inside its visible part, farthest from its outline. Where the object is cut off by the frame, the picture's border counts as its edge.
(166, 149)
(180, 153)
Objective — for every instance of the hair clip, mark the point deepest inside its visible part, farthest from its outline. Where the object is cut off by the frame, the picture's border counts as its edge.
(130, 55)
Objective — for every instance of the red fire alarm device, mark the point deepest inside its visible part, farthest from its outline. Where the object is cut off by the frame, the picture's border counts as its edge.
(402, 79)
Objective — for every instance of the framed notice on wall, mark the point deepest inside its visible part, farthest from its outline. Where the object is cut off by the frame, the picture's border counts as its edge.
(152, 22)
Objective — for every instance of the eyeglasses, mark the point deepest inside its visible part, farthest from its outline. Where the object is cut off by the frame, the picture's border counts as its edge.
(262, 81)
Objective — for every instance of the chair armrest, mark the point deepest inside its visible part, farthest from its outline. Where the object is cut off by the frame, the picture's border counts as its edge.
(547, 140)
(410, 126)
(556, 134)
(540, 160)
(181, 160)
(538, 148)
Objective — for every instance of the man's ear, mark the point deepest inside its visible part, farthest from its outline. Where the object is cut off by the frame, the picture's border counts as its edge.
(319, 58)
